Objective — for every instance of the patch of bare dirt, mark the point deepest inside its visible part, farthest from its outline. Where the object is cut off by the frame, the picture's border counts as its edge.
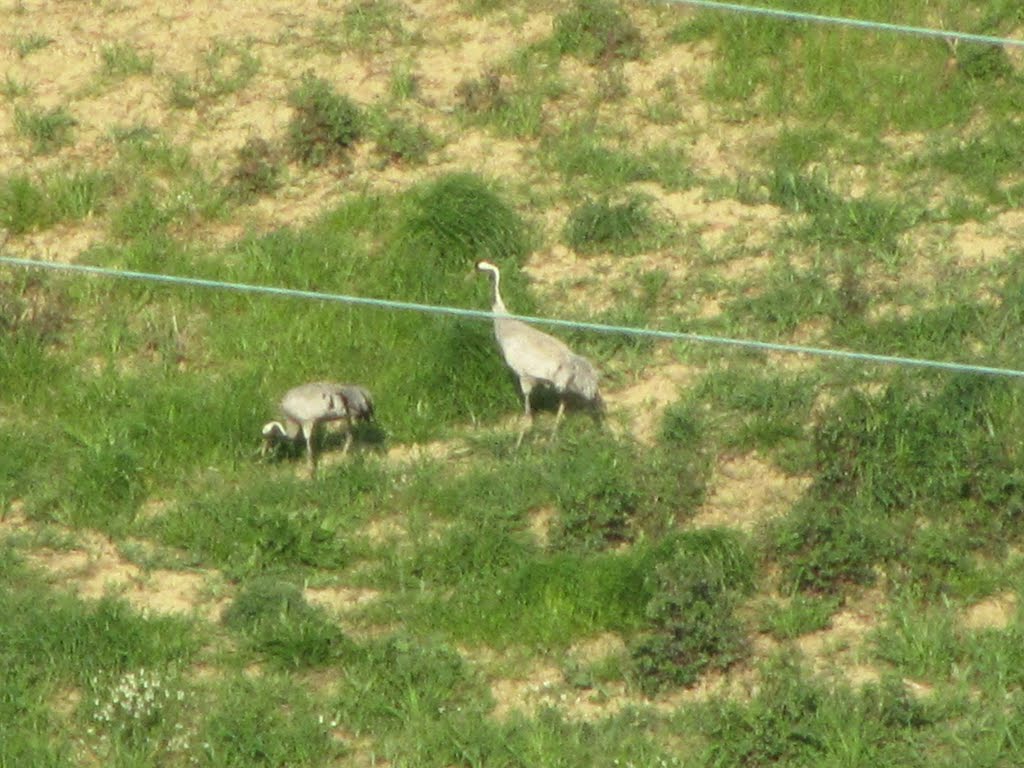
(62, 243)
(745, 491)
(725, 222)
(846, 629)
(988, 242)
(12, 519)
(540, 522)
(99, 569)
(483, 153)
(460, 48)
(437, 450)
(298, 202)
(68, 70)
(595, 649)
(645, 400)
(839, 650)
(542, 683)
(382, 530)
(95, 568)
(570, 279)
(996, 612)
(340, 599)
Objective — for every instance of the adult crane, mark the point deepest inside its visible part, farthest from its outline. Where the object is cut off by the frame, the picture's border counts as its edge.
(537, 358)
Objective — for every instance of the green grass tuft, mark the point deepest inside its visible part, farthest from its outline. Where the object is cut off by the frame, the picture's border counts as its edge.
(865, 221)
(48, 130)
(225, 68)
(81, 640)
(754, 411)
(265, 720)
(795, 719)
(12, 89)
(401, 140)
(24, 45)
(280, 524)
(142, 146)
(600, 225)
(511, 102)
(799, 615)
(23, 205)
(447, 225)
(277, 621)
(693, 627)
(546, 601)
(123, 60)
(911, 481)
(142, 217)
(597, 30)
(325, 124)
(398, 681)
(257, 170)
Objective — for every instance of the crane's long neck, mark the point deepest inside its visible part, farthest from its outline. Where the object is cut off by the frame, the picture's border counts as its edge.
(498, 305)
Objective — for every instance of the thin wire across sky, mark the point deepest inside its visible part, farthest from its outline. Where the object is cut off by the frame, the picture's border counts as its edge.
(439, 309)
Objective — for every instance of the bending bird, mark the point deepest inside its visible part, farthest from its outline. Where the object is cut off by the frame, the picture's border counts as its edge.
(307, 405)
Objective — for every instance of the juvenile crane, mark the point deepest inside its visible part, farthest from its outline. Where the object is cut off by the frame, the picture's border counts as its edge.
(537, 358)
(307, 405)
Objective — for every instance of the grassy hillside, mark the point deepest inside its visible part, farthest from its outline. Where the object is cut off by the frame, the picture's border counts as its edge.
(757, 559)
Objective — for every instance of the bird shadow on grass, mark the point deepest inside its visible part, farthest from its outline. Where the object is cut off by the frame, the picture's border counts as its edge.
(544, 428)
(545, 400)
(365, 437)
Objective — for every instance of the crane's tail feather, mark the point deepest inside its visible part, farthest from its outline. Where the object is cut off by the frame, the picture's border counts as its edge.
(580, 378)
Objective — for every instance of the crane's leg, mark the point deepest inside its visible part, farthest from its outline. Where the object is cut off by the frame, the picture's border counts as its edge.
(522, 434)
(348, 437)
(527, 386)
(307, 432)
(558, 417)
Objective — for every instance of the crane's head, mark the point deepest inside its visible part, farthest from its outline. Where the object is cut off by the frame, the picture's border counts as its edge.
(486, 266)
(273, 433)
(274, 430)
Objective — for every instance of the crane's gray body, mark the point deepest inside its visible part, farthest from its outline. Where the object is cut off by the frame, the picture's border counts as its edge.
(307, 405)
(539, 358)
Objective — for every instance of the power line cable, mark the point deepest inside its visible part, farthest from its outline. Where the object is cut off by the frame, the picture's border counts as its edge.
(876, 26)
(763, 346)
